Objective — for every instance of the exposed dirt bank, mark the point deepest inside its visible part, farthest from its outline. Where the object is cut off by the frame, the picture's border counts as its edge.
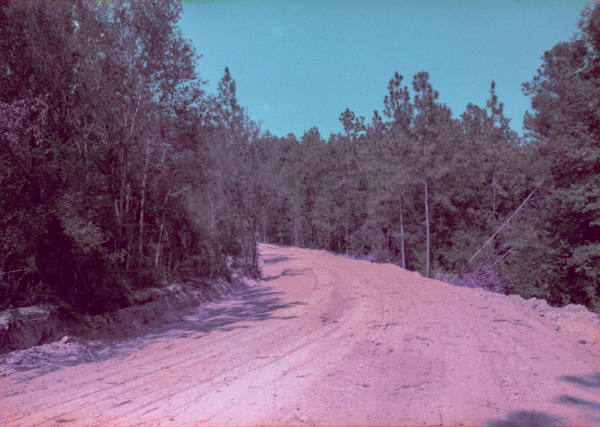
(325, 340)
(23, 328)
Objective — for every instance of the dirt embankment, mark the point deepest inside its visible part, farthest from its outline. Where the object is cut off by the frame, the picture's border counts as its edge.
(26, 327)
(324, 340)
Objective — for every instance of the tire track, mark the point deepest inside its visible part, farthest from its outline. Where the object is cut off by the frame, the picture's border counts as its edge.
(325, 340)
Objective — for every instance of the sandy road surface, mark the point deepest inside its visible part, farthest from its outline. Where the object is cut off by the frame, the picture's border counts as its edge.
(329, 341)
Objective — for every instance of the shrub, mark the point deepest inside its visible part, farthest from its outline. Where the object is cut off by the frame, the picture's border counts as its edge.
(485, 277)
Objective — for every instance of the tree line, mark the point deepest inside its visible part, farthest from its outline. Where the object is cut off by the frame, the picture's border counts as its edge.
(120, 171)
(462, 199)
(414, 187)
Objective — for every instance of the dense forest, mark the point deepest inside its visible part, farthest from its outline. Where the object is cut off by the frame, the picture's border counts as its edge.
(119, 171)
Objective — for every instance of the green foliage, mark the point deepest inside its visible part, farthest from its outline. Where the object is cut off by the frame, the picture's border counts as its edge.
(426, 191)
(565, 128)
(119, 172)
(111, 163)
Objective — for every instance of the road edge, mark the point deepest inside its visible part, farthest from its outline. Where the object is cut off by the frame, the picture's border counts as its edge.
(26, 327)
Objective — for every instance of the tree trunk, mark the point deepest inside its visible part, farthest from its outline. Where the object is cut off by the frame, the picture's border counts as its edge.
(402, 231)
(253, 226)
(503, 225)
(143, 200)
(387, 222)
(160, 234)
(426, 182)
(399, 165)
(295, 227)
(427, 223)
(347, 238)
(348, 197)
(493, 195)
(387, 238)
(158, 247)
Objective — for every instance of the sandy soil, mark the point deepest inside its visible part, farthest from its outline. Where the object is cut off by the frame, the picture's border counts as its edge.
(324, 340)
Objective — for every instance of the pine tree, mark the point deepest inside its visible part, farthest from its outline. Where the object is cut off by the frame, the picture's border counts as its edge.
(353, 126)
(431, 132)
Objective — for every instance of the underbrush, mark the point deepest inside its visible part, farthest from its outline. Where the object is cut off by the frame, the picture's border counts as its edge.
(245, 269)
(483, 277)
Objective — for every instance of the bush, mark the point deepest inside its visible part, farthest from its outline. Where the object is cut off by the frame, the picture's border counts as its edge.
(485, 277)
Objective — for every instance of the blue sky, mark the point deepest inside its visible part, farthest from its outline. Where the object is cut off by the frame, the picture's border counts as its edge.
(301, 63)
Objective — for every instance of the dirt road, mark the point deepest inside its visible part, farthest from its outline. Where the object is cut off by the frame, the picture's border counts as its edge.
(325, 340)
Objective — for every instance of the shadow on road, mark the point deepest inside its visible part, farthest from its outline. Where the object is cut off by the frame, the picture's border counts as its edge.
(276, 259)
(238, 310)
(526, 419)
(590, 381)
(288, 272)
(540, 419)
(572, 400)
(254, 305)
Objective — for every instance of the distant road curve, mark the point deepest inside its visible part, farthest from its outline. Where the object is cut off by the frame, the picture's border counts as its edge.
(326, 340)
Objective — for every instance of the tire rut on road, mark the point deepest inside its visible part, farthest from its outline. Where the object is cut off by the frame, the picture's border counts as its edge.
(326, 340)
